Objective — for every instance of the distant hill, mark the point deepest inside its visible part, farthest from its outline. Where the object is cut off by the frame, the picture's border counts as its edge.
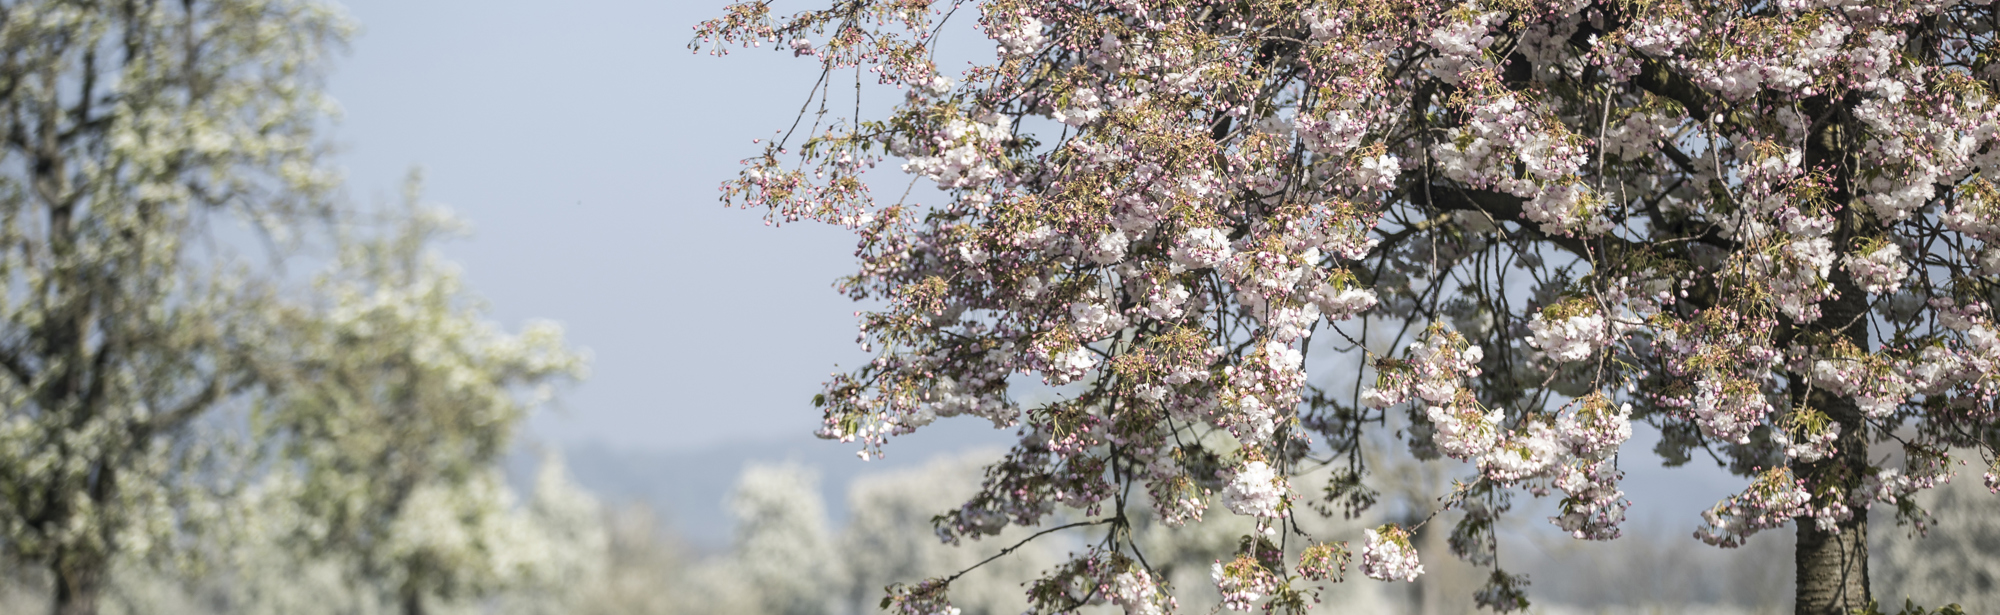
(689, 489)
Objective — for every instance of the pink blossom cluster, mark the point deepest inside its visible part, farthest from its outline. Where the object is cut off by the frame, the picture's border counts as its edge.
(1139, 593)
(1389, 556)
(1242, 582)
(1878, 271)
(1772, 501)
(1324, 561)
(1176, 498)
(1433, 373)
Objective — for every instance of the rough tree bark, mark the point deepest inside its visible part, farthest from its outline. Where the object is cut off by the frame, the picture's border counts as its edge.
(1832, 565)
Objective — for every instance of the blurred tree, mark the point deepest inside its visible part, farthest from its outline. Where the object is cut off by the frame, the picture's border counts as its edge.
(888, 539)
(397, 401)
(130, 128)
(1955, 561)
(577, 535)
(783, 555)
(643, 569)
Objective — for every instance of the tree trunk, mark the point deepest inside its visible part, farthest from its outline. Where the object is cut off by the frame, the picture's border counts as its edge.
(79, 582)
(413, 598)
(1832, 567)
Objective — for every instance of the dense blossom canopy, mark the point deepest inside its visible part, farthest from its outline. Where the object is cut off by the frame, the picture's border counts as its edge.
(1763, 228)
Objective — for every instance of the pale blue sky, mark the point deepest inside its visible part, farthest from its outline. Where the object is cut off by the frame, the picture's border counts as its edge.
(585, 143)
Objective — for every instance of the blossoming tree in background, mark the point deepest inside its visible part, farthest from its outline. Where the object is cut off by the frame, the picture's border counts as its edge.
(129, 130)
(395, 401)
(137, 344)
(1760, 227)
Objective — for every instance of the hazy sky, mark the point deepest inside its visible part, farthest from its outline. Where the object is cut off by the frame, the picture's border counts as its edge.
(585, 143)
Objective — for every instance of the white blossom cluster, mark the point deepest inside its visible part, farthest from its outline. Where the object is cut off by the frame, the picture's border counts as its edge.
(1564, 208)
(1878, 271)
(1255, 490)
(1438, 366)
(1335, 132)
(1202, 248)
(1595, 506)
(1389, 556)
(1658, 34)
(1798, 276)
(1635, 135)
(1461, 42)
(1772, 501)
(1528, 452)
(1503, 130)
(1727, 410)
(1877, 393)
(1258, 389)
(1591, 434)
(1139, 594)
(1017, 35)
(962, 154)
(1974, 216)
(1242, 583)
(1462, 432)
(1570, 339)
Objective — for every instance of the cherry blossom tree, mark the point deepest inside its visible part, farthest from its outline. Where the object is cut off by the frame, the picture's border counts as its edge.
(1761, 228)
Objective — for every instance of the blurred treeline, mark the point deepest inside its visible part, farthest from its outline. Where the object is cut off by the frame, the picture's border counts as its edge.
(785, 559)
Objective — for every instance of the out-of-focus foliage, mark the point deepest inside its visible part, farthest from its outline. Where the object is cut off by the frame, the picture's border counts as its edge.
(1956, 562)
(888, 539)
(130, 128)
(640, 572)
(620, 562)
(266, 574)
(783, 550)
(398, 399)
